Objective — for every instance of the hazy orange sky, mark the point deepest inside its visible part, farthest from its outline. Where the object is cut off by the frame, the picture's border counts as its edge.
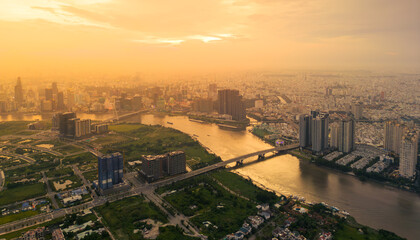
(128, 36)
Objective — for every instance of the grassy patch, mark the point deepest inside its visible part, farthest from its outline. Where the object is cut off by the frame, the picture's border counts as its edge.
(124, 127)
(261, 133)
(68, 149)
(84, 158)
(21, 193)
(207, 201)
(349, 230)
(158, 140)
(172, 233)
(243, 187)
(31, 171)
(27, 132)
(18, 233)
(91, 175)
(59, 172)
(17, 216)
(43, 156)
(109, 139)
(123, 216)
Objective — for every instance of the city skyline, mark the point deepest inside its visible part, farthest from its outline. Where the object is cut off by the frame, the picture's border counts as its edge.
(211, 119)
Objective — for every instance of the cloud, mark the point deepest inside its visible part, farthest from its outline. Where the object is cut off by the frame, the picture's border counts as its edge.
(288, 32)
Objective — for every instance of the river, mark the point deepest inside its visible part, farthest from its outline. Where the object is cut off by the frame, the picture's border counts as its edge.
(371, 203)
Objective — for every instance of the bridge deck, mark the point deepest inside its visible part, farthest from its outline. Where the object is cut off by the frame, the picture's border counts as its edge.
(221, 164)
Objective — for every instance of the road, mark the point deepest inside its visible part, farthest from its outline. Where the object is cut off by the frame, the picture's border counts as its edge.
(138, 188)
(50, 193)
(77, 171)
(219, 165)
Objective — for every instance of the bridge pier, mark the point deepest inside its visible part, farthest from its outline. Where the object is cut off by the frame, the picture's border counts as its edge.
(240, 162)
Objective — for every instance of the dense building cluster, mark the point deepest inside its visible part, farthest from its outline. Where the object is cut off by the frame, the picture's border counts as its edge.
(314, 131)
(70, 126)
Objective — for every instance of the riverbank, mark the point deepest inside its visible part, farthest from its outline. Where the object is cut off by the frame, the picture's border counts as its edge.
(370, 203)
(208, 200)
(359, 174)
(224, 124)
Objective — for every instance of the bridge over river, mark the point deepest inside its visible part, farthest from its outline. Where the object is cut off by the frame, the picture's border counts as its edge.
(57, 213)
(224, 163)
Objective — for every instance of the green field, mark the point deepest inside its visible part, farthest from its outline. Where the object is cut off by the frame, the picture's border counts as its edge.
(205, 200)
(348, 232)
(91, 175)
(16, 128)
(68, 149)
(124, 127)
(123, 216)
(59, 172)
(261, 133)
(172, 233)
(110, 138)
(30, 171)
(16, 234)
(83, 158)
(17, 216)
(21, 193)
(151, 140)
(243, 187)
(43, 156)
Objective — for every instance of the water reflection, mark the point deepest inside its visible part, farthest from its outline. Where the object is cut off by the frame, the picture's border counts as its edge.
(369, 202)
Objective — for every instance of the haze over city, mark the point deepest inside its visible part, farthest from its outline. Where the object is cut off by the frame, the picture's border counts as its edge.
(109, 37)
(209, 119)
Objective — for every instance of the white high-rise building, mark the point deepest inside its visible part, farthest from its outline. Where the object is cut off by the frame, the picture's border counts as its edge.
(357, 110)
(335, 131)
(305, 130)
(408, 154)
(392, 136)
(342, 135)
(319, 132)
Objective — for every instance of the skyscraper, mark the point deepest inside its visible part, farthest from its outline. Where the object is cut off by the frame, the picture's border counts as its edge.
(392, 136)
(70, 100)
(408, 154)
(231, 103)
(63, 125)
(79, 128)
(110, 170)
(54, 88)
(319, 132)
(335, 131)
(175, 163)
(357, 110)
(48, 94)
(342, 135)
(152, 166)
(19, 93)
(305, 130)
(213, 91)
(60, 101)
